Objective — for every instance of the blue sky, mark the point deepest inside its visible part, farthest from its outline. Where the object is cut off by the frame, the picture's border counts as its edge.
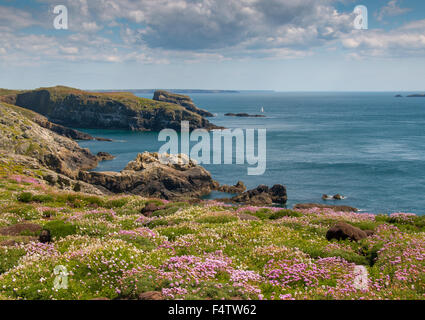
(283, 45)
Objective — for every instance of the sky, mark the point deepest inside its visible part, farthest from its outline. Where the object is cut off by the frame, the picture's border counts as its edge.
(282, 45)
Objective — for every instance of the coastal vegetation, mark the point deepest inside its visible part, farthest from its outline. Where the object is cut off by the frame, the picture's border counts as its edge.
(145, 241)
(204, 250)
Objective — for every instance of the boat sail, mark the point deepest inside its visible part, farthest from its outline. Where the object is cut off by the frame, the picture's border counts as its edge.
(262, 109)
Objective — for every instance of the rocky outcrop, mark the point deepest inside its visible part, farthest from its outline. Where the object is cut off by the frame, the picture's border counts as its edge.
(334, 197)
(19, 135)
(184, 101)
(419, 95)
(343, 231)
(76, 108)
(306, 206)
(263, 195)
(245, 115)
(156, 176)
(59, 129)
(239, 187)
(104, 156)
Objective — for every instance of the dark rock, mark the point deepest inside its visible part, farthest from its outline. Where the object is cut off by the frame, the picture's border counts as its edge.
(369, 232)
(342, 231)
(239, 187)
(184, 101)
(151, 295)
(45, 236)
(153, 175)
(263, 195)
(399, 96)
(306, 206)
(244, 115)
(338, 197)
(104, 156)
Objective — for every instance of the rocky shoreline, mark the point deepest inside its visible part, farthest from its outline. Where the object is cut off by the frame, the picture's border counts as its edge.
(41, 143)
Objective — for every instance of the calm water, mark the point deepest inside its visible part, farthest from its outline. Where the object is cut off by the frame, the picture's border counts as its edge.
(369, 147)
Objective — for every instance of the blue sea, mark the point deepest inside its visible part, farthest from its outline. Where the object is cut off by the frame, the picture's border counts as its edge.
(369, 147)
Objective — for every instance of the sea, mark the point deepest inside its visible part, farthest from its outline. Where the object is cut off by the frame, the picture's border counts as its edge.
(368, 147)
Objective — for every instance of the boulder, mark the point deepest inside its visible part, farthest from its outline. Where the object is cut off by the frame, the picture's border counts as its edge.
(369, 232)
(342, 231)
(45, 236)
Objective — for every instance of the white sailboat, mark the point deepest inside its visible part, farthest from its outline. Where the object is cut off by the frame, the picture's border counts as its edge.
(262, 109)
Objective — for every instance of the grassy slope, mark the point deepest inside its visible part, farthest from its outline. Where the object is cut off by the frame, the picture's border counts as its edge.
(112, 251)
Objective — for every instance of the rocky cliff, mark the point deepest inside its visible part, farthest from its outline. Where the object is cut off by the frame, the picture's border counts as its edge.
(20, 135)
(77, 108)
(153, 175)
(182, 100)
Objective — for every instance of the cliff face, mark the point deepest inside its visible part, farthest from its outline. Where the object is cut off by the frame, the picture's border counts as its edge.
(76, 108)
(42, 121)
(184, 101)
(20, 135)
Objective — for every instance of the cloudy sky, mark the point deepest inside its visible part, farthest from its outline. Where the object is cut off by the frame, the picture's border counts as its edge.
(284, 45)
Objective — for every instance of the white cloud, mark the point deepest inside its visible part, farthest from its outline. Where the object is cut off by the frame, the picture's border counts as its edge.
(391, 9)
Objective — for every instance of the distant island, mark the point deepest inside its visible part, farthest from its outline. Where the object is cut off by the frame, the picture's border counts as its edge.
(182, 91)
(418, 95)
(244, 115)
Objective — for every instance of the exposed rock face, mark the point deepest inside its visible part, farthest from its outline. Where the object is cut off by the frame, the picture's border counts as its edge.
(305, 206)
(19, 135)
(60, 130)
(184, 101)
(239, 187)
(76, 108)
(104, 156)
(156, 176)
(244, 115)
(342, 231)
(263, 195)
(52, 178)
